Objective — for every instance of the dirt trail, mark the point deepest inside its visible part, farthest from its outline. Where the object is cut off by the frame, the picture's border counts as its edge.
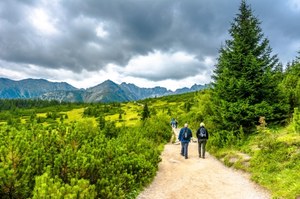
(195, 178)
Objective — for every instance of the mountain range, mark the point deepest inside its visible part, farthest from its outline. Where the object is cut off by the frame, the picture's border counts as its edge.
(107, 91)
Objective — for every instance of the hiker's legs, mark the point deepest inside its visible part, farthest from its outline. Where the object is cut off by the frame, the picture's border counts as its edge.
(186, 145)
(182, 149)
(199, 148)
(203, 148)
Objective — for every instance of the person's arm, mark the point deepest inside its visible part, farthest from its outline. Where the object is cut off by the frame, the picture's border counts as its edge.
(179, 135)
(206, 133)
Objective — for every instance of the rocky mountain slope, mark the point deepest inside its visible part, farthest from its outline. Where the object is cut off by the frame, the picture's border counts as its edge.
(107, 91)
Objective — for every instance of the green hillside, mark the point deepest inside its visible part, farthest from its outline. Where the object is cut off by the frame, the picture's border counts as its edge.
(81, 138)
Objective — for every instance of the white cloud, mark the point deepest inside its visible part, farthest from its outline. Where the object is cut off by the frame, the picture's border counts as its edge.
(41, 20)
(87, 79)
(100, 31)
(11, 74)
(160, 65)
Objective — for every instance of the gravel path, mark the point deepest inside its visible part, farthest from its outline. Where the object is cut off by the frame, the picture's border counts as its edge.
(195, 178)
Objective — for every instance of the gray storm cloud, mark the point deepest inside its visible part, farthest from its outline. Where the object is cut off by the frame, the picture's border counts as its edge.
(88, 35)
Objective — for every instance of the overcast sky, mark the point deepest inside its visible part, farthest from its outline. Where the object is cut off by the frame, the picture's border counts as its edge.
(168, 43)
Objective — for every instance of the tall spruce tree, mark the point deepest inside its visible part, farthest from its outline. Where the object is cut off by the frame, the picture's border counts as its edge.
(245, 86)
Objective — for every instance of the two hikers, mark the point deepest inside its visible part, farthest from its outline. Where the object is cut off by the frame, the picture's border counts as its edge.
(202, 136)
(184, 137)
(174, 123)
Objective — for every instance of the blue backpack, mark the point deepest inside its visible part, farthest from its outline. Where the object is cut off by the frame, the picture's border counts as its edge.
(203, 133)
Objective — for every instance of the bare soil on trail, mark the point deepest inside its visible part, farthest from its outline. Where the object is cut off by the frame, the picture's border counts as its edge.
(196, 178)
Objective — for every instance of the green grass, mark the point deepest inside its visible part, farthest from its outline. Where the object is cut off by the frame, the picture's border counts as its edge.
(129, 117)
(74, 115)
(274, 160)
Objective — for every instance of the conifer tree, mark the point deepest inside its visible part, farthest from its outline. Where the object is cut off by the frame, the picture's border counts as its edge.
(245, 86)
(146, 112)
(291, 83)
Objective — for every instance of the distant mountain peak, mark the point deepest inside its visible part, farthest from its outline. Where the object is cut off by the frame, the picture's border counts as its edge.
(108, 81)
(107, 91)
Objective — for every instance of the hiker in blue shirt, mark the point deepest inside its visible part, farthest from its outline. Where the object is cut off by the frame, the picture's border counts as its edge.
(173, 123)
(184, 137)
(202, 136)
